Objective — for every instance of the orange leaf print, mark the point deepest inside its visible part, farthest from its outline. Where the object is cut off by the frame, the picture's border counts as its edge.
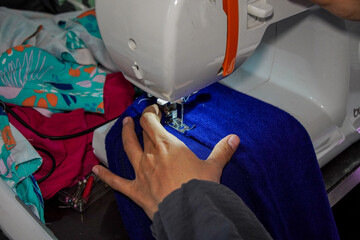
(100, 107)
(42, 103)
(74, 72)
(87, 13)
(29, 102)
(8, 138)
(89, 70)
(52, 98)
(19, 48)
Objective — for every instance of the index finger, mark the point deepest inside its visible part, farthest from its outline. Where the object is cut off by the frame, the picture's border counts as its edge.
(150, 122)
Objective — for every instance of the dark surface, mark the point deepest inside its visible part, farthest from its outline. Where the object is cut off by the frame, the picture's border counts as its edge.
(335, 172)
(347, 210)
(101, 220)
(2, 236)
(48, 6)
(347, 215)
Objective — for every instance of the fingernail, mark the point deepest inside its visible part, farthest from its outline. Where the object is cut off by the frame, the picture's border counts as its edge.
(234, 142)
(125, 120)
(95, 170)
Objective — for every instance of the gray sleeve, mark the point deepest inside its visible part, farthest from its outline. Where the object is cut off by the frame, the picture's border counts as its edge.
(205, 210)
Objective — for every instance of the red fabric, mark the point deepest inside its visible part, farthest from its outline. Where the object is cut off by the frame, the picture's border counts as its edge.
(74, 157)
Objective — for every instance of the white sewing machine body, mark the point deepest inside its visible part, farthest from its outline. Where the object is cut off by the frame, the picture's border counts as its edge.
(303, 64)
(172, 48)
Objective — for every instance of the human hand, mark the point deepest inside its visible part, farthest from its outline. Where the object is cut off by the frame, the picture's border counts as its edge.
(164, 164)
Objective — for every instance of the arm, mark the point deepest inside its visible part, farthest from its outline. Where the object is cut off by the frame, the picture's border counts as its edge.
(348, 9)
(205, 210)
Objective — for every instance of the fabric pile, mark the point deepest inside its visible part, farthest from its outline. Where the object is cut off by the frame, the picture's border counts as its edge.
(57, 77)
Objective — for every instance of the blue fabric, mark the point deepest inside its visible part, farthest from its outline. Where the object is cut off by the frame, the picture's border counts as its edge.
(274, 169)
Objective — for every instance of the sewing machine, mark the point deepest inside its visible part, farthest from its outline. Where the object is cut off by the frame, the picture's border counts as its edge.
(288, 53)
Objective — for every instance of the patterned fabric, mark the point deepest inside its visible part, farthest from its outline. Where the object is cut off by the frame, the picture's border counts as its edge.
(7, 142)
(32, 77)
(75, 156)
(29, 192)
(73, 42)
(88, 20)
(52, 61)
(53, 34)
(18, 161)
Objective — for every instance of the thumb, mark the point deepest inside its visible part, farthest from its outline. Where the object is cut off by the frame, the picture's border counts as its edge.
(223, 150)
(114, 181)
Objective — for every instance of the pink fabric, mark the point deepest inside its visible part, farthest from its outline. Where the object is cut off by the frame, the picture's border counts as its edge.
(74, 157)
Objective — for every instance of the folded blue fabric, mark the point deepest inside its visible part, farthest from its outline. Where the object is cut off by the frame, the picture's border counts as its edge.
(274, 169)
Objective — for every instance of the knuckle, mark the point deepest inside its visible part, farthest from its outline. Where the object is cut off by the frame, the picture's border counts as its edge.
(149, 156)
(150, 161)
(225, 150)
(113, 182)
(126, 144)
(165, 144)
(100, 174)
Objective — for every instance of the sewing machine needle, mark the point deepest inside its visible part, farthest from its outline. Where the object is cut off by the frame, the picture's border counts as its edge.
(182, 114)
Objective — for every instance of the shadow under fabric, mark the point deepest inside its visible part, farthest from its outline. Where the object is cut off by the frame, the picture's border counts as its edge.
(274, 169)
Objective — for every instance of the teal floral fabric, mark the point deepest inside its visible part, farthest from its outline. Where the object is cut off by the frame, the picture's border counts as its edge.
(56, 62)
(18, 161)
(30, 76)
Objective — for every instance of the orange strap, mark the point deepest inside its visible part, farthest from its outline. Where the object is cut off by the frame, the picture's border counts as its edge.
(231, 9)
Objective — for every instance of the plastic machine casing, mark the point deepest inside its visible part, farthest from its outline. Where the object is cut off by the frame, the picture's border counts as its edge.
(172, 48)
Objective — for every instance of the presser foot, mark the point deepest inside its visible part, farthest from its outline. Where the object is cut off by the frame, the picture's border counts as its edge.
(178, 125)
(174, 114)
